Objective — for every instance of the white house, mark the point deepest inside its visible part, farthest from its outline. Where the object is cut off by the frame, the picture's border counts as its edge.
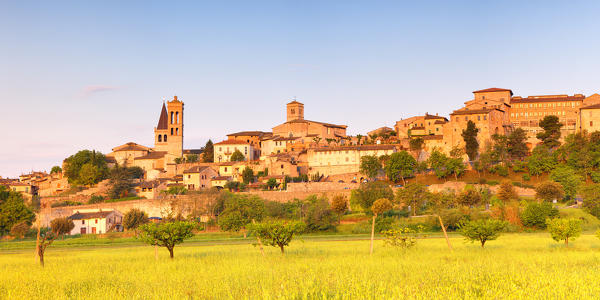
(96, 221)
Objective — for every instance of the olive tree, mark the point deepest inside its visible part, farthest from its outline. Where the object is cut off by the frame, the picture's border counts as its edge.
(563, 229)
(549, 191)
(58, 227)
(379, 206)
(166, 234)
(276, 233)
(482, 230)
(134, 218)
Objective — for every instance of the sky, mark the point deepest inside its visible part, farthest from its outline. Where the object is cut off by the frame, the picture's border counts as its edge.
(93, 74)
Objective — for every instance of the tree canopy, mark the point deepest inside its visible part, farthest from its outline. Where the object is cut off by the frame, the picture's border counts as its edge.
(237, 155)
(86, 167)
(399, 166)
(551, 131)
(469, 135)
(370, 165)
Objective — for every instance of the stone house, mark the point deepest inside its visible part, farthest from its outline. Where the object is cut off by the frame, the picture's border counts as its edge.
(96, 221)
(199, 177)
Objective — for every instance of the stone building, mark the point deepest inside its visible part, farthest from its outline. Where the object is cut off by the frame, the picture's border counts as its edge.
(297, 126)
(223, 150)
(341, 160)
(589, 118)
(199, 177)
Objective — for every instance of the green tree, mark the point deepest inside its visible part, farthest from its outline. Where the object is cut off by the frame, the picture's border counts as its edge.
(74, 163)
(455, 166)
(89, 174)
(191, 158)
(237, 211)
(58, 227)
(167, 234)
(56, 169)
(134, 218)
(438, 161)
(413, 194)
(13, 211)
(542, 160)
(517, 148)
(549, 191)
(379, 206)
(317, 214)
(482, 230)
(370, 166)
(121, 180)
(209, 152)
(469, 135)
(179, 160)
(535, 214)
(564, 229)
(277, 233)
(237, 156)
(248, 175)
(368, 192)
(500, 148)
(416, 145)
(551, 131)
(591, 199)
(272, 183)
(339, 205)
(400, 165)
(568, 178)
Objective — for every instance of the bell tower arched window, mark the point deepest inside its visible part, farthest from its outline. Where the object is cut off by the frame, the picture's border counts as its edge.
(160, 138)
(171, 117)
(165, 137)
(177, 117)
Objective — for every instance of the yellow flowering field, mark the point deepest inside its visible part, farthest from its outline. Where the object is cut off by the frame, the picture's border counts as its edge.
(516, 266)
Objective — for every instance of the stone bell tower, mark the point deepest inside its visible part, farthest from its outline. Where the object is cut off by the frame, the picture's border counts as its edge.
(295, 111)
(168, 134)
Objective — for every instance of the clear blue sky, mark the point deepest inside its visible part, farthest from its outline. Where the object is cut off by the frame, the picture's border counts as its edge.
(91, 75)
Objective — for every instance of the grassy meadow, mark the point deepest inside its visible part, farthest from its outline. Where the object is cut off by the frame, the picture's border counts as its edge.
(515, 266)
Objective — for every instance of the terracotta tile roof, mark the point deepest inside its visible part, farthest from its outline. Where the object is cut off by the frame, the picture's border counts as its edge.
(110, 159)
(196, 169)
(131, 146)
(322, 123)
(294, 102)
(547, 98)
(221, 178)
(440, 122)
(473, 112)
(358, 148)
(418, 128)
(153, 155)
(593, 106)
(232, 142)
(428, 117)
(90, 215)
(163, 121)
(282, 139)
(493, 90)
(250, 133)
(433, 137)
(149, 184)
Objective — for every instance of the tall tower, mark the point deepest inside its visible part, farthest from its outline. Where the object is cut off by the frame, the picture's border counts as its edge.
(168, 134)
(161, 131)
(295, 111)
(175, 143)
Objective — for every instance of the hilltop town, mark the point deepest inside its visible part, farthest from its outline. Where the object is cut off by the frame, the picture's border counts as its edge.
(301, 150)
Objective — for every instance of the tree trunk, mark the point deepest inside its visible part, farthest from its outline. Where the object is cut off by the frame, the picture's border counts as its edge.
(282, 250)
(372, 234)
(567, 242)
(41, 255)
(170, 252)
(403, 181)
(482, 243)
(445, 233)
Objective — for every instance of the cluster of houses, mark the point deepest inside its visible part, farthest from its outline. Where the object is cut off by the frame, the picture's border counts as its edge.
(321, 150)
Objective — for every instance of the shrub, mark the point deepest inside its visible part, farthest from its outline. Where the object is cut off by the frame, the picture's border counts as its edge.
(482, 230)
(20, 229)
(526, 177)
(548, 191)
(563, 229)
(318, 215)
(134, 218)
(384, 224)
(506, 192)
(469, 197)
(96, 199)
(493, 182)
(500, 170)
(591, 199)
(65, 203)
(452, 218)
(520, 166)
(595, 176)
(536, 214)
(403, 238)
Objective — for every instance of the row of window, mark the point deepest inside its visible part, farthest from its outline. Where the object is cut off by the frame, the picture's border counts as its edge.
(537, 114)
(479, 117)
(175, 118)
(547, 104)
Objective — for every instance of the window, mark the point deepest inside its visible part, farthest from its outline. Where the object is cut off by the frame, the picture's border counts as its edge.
(176, 117)
(189, 176)
(293, 111)
(466, 118)
(484, 118)
(160, 138)
(171, 119)
(164, 138)
(96, 221)
(591, 123)
(225, 169)
(478, 118)
(176, 131)
(82, 221)
(171, 131)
